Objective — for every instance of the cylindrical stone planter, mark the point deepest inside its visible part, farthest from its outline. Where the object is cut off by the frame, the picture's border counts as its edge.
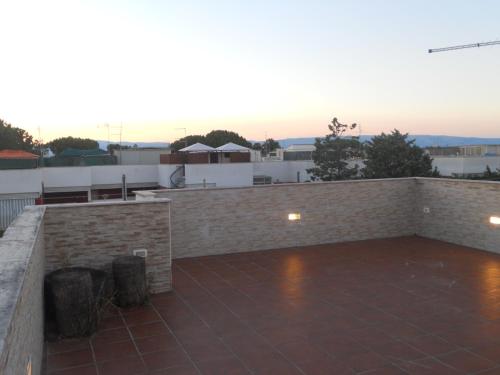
(129, 273)
(74, 303)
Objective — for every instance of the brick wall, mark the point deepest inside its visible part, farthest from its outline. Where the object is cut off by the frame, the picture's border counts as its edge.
(176, 158)
(219, 220)
(198, 158)
(239, 157)
(21, 295)
(459, 212)
(91, 235)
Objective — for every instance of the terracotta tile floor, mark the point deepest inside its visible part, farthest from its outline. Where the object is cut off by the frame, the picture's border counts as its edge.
(393, 306)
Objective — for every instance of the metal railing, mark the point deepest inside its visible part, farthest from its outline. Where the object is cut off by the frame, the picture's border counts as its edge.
(10, 208)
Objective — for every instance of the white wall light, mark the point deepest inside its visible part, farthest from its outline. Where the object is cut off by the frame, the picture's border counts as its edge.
(294, 216)
(495, 220)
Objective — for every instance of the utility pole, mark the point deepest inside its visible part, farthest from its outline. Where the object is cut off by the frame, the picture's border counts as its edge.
(185, 135)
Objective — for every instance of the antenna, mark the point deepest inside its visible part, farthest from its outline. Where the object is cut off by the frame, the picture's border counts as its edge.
(105, 126)
(473, 45)
(185, 135)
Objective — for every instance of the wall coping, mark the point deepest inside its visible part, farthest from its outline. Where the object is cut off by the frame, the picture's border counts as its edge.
(458, 180)
(107, 203)
(16, 250)
(153, 193)
(270, 186)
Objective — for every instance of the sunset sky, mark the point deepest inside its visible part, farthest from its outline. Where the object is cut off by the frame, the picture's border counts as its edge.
(281, 68)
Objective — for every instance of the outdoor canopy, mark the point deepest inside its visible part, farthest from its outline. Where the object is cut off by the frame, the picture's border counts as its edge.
(197, 147)
(232, 147)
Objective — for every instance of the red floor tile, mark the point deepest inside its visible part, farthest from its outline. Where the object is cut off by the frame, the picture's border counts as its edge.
(67, 345)
(69, 359)
(391, 306)
(148, 329)
(466, 361)
(111, 335)
(114, 350)
(123, 366)
(81, 370)
(165, 359)
(156, 343)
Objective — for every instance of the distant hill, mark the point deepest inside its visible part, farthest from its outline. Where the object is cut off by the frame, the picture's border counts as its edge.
(103, 145)
(421, 140)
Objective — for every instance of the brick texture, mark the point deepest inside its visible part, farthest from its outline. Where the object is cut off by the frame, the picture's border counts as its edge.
(92, 235)
(218, 221)
(459, 212)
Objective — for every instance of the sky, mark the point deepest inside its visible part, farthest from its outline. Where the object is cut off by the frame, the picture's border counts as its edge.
(261, 68)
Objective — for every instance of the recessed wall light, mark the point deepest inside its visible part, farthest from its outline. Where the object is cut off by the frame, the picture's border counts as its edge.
(294, 216)
(495, 220)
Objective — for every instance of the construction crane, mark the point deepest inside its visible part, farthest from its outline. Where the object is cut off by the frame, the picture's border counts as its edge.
(444, 49)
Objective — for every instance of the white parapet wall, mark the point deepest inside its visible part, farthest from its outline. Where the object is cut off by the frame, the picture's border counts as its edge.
(449, 166)
(67, 178)
(20, 181)
(111, 175)
(224, 175)
(164, 173)
(284, 171)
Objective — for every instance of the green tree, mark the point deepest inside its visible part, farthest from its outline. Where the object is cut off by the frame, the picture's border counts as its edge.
(393, 155)
(333, 153)
(187, 141)
(15, 138)
(269, 145)
(116, 146)
(60, 144)
(257, 146)
(218, 138)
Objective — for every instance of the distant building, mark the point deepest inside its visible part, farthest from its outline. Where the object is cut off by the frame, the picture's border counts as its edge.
(140, 156)
(299, 152)
(199, 153)
(18, 159)
(72, 157)
(274, 155)
(468, 150)
(480, 150)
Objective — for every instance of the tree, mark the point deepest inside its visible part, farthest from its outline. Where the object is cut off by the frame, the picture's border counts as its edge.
(333, 153)
(218, 138)
(116, 146)
(393, 155)
(60, 144)
(215, 138)
(269, 145)
(15, 138)
(187, 141)
(487, 175)
(257, 146)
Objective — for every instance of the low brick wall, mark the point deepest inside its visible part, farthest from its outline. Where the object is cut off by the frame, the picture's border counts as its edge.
(459, 212)
(228, 220)
(42, 239)
(21, 294)
(91, 235)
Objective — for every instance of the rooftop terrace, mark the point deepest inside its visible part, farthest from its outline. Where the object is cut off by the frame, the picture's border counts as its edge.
(377, 276)
(406, 305)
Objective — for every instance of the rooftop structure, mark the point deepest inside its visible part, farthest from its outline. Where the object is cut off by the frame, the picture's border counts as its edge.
(467, 150)
(232, 147)
(304, 278)
(197, 147)
(299, 152)
(17, 154)
(18, 159)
